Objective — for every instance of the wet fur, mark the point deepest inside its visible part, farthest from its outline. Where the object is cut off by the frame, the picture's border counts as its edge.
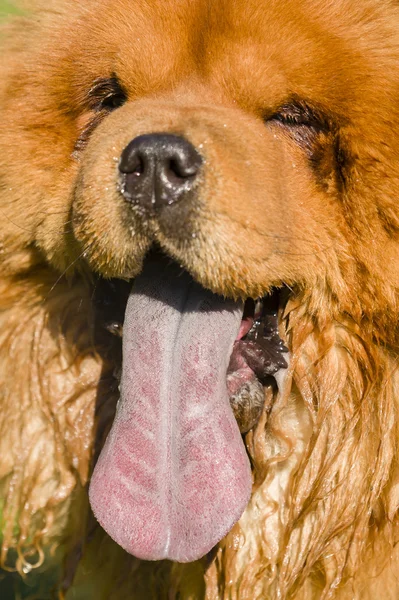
(322, 521)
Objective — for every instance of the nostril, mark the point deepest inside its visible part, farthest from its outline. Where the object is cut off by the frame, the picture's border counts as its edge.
(133, 161)
(185, 166)
(177, 173)
(177, 168)
(138, 166)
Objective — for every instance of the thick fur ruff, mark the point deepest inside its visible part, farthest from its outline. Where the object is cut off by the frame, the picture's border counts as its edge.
(322, 521)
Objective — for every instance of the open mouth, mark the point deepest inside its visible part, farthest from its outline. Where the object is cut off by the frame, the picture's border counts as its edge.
(173, 476)
(258, 355)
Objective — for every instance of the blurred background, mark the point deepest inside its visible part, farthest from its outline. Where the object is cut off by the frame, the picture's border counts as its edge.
(6, 8)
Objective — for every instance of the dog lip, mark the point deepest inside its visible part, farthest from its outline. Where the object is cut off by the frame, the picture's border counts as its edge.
(258, 341)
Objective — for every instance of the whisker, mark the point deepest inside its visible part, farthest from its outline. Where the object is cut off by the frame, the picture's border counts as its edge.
(314, 253)
(65, 271)
(13, 222)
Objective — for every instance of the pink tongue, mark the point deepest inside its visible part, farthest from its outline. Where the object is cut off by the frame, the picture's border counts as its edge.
(173, 476)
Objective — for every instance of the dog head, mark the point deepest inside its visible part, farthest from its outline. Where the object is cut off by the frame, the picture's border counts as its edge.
(278, 123)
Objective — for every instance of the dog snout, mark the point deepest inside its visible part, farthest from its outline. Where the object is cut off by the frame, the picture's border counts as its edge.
(158, 170)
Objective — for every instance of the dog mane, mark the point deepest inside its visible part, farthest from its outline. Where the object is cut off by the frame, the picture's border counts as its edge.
(336, 505)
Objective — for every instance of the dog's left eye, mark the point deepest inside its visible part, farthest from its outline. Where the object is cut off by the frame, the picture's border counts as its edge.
(107, 94)
(304, 124)
(297, 114)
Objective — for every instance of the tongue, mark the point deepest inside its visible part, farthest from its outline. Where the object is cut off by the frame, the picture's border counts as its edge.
(173, 476)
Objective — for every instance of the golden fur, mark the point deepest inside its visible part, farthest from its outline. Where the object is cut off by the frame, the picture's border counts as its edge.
(323, 518)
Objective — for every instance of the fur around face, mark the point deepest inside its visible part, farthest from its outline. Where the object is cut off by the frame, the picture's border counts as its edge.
(314, 210)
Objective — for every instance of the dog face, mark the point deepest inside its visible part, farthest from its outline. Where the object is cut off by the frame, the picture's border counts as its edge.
(248, 143)
(249, 91)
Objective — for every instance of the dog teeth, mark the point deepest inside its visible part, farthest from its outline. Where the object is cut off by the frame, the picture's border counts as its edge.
(115, 328)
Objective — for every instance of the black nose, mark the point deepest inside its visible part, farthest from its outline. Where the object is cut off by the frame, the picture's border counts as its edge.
(158, 170)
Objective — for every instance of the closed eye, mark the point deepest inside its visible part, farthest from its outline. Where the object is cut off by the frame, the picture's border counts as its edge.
(298, 113)
(106, 94)
(318, 134)
(302, 122)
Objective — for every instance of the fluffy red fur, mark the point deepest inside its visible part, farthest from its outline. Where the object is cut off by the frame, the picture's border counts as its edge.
(306, 204)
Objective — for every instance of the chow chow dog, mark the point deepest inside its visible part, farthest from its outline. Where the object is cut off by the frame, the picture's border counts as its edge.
(199, 300)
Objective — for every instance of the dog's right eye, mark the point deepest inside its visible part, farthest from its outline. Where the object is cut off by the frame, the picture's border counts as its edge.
(106, 94)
